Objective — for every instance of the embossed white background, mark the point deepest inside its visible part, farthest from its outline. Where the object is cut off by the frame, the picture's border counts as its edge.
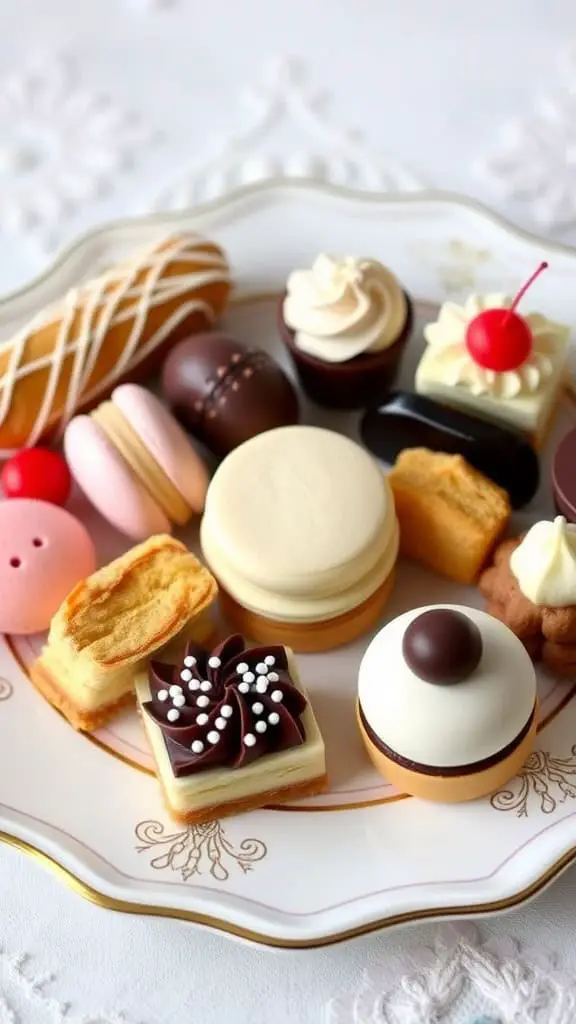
(121, 106)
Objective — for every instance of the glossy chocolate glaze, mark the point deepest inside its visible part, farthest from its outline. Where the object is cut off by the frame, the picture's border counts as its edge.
(351, 385)
(451, 772)
(442, 646)
(227, 707)
(406, 420)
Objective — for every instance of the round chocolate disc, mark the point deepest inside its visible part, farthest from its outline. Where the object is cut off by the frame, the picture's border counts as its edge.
(442, 646)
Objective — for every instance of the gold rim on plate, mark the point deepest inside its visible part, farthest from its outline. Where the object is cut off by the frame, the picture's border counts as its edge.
(209, 921)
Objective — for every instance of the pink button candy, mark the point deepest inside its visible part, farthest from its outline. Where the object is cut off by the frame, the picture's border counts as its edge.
(44, 552)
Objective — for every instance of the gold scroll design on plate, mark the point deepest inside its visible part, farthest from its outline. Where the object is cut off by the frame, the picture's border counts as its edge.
(456, 262)
(6, 689)
(198, 850)
(544, 782)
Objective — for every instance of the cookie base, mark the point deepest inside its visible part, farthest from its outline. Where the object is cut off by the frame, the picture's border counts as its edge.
(79, 718)
(453, 788)
(309, 637)
(309, 787)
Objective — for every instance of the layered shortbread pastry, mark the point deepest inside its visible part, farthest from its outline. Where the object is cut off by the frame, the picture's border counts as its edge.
(231, 730)
(112, 622)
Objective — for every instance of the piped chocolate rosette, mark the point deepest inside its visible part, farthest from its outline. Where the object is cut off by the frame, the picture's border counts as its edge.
(225, 707)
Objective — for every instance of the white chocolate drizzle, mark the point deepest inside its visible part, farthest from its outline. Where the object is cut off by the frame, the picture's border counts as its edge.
(96, 305)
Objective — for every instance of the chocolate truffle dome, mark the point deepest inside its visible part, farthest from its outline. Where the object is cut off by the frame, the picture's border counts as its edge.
(442, 646)
(225, 393)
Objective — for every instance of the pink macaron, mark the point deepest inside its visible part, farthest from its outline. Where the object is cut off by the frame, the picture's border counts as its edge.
(135, 464)
(44, 552)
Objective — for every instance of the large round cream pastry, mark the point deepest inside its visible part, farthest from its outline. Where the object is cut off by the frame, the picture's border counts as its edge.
(301, 533)
(447, 703)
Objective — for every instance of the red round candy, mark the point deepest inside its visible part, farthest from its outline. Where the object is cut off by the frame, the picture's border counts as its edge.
(499, 340)
(37, 473)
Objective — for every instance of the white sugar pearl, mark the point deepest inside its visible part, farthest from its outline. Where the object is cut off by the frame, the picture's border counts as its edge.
(189, 661)
(173, 715)
(220, 723)
(226, 711)
(202, 702)
(273, 677)
(257, 708)
(205, 685)
(261, 684)
(249, 739)
(261, 668)
(274, 718)
(248, 677)
(174, 690)
(214, 662)
(201, 719)
(162, 695)
(270, 660)
(260, 726)
(179, 700)
(276, 696)
(213, 736)
(185, 675)
(197, 747)
(242, 668)
(194, 685)
(243, 688)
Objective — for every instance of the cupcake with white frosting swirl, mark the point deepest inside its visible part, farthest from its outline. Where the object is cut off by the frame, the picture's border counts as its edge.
(345, 322)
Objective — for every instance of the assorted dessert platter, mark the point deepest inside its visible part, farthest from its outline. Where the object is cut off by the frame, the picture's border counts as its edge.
(128, 390)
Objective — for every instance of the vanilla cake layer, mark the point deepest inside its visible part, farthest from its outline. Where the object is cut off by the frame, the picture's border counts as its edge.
(90, 688)
(528, 413)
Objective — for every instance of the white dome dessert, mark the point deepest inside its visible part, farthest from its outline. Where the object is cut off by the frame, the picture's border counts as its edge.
(447, 702)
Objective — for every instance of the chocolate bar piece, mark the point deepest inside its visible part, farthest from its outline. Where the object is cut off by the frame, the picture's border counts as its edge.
(408, 420)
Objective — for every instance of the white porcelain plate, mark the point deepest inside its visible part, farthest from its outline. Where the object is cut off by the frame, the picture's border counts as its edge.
(362, 856)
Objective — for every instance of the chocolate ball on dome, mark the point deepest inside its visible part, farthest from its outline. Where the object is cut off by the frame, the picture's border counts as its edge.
(442, 646)
(224, 392)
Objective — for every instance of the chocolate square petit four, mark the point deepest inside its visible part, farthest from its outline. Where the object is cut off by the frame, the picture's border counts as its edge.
(230, 730)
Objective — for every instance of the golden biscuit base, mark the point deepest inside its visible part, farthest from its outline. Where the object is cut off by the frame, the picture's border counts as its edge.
(112, 614)
(310, 787)
(454, 788)
(79, 718)
(309, 637)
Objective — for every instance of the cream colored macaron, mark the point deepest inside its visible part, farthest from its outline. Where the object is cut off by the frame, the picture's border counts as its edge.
(453, 715)
(300, 529)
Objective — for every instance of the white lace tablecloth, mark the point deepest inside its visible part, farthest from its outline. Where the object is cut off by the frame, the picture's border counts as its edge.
(124, 106)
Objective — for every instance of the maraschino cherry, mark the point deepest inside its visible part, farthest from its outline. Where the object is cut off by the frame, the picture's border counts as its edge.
(500, 339)
(37, 473)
